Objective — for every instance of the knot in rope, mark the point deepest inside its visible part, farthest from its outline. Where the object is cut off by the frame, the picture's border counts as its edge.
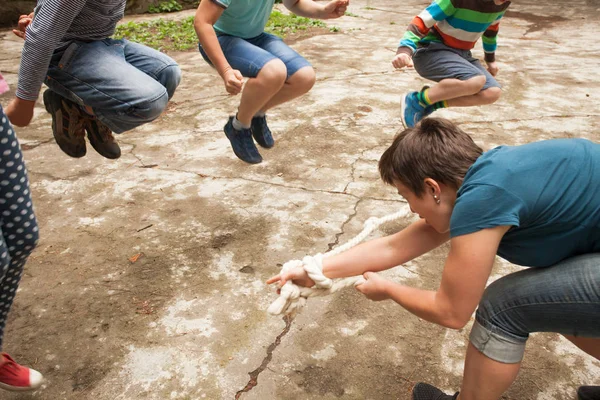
(293, 297)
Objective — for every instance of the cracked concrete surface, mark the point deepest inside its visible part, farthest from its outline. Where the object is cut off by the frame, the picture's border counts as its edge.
(187, 319)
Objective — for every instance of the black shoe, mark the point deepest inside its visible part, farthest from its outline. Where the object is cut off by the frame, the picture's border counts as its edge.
(102, 139)
(67, 123)
(588, 393)
(242, 143)
(261, 132)
(424, 391)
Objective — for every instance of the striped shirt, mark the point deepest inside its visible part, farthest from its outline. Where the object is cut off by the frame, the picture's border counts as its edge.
(56, 23)
(456, 23)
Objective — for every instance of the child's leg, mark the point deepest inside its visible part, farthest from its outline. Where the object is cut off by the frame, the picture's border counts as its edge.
(562, 298)
(17, 224)
(462, 80)
(104, 76)
(300, 74)
(260, 89)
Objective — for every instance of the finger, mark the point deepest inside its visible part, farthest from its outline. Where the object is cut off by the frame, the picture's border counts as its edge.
(274, 279)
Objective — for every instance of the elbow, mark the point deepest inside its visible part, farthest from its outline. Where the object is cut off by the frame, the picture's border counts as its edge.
(455, 323)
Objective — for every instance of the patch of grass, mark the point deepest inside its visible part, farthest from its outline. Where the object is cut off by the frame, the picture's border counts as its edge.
(392, 23)
(160, 34)
(165, 6)
(349, 14)
(283, 24)
(180, 35)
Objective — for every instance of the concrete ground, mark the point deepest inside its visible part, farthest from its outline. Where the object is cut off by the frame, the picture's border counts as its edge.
(187, 319)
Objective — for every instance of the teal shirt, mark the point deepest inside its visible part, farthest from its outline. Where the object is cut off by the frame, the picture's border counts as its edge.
(243, 18)
(549, 192)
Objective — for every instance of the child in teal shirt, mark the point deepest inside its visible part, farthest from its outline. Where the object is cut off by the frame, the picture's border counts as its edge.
(233, 41)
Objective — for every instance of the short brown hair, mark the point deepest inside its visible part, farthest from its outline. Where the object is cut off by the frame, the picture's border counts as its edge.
(435, 148)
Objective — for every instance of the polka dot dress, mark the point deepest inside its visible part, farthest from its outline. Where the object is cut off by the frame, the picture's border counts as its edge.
(17, 221)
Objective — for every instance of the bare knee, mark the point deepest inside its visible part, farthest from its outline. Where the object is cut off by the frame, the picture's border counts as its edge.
(490, 95)
(274, 73)
(475, 84)
(303, 79)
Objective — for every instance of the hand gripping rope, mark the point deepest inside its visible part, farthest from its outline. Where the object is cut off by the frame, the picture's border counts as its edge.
(293, 297)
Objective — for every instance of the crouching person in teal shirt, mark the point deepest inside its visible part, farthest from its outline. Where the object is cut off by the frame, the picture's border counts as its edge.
(535, 205)
(232, 39)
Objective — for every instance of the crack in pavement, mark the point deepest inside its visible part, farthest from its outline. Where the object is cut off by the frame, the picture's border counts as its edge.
(265, 363)
(331, 245)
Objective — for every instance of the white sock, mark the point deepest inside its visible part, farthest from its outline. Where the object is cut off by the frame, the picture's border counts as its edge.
(260, 114)
(238, 126)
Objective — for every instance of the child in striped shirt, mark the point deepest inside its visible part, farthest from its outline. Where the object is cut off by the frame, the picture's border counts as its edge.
(438, 44)
(97, 85)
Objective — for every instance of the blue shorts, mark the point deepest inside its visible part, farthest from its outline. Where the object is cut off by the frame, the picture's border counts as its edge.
(563, 298)
(249, 55)
(436, 62)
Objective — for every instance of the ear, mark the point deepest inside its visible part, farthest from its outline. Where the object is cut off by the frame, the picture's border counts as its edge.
(432, 188)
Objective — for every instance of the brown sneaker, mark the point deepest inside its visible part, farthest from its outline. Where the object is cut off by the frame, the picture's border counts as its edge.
(102, 139)
(67, 124)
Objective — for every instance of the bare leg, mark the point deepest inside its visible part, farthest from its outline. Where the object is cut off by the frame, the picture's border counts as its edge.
(464, 93)
(258, 91)
(297, 85)
(589, 345)
(484, 378)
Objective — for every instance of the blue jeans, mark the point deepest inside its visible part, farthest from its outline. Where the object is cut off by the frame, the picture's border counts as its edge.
(249, 55)
(563, 298)
(437, 61)
(126, 84)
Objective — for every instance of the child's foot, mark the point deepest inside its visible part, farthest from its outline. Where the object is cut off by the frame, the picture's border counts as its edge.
(242, 143)
(588, 393)
(411, 110)
(102, 139)
(261, 132)
(16, 378)
(424, 391)
(67, 124)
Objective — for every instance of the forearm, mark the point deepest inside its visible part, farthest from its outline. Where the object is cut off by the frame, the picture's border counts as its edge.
(212, 48)
(43, 35)
(385, 253)
(305, 8)
(425, 304)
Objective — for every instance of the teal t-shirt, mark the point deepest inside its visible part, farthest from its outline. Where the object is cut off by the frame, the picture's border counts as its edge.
(549, 192)
(243, 18)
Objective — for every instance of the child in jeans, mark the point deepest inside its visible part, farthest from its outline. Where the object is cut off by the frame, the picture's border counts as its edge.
(19, 236)
(438, 44)
(233, 41)
(528, 204)
(97, 84)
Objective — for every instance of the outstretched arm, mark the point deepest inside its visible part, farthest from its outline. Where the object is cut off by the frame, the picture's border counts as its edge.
(311, 9)
(375, 255)
(464, 278)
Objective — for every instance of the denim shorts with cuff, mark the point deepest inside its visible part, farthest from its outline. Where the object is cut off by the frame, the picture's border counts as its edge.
(249, 56)
(563, 298)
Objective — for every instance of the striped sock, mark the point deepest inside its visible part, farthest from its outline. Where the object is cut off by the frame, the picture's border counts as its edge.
(440, 104)
(423, 97)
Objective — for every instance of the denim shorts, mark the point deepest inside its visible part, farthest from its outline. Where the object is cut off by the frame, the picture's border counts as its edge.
(249, 55)
(563, 298)
(436, 62)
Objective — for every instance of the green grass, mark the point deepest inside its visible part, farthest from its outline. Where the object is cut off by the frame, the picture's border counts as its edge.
(283, 24)
(160, 34)
(180, 35)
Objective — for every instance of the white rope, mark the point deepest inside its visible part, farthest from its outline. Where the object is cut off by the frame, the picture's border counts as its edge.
(293, 297)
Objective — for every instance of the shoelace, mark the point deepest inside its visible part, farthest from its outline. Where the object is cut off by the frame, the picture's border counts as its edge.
(76, 123)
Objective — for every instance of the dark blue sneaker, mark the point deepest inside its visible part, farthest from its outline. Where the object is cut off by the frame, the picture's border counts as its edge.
(588, 393)
(261, 132)
(411, 110)
(242, 143)
(424, 391)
